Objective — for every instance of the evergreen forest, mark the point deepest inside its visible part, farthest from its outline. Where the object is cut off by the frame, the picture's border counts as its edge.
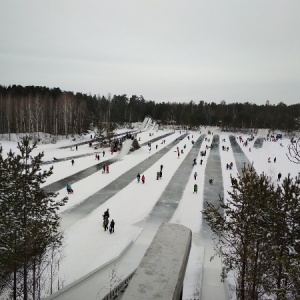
(41, 109)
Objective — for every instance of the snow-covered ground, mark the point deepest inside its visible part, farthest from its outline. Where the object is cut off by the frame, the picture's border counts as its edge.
(87, 246)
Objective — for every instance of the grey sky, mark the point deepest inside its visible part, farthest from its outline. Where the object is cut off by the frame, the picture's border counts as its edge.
(164, 50)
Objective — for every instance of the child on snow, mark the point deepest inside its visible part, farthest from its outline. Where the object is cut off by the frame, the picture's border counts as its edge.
(195, 188)
(112, 226)
(69, 189)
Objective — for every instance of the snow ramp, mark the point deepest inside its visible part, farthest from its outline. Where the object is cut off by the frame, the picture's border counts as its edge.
(125, 148)
(262, 133)
(147, 122)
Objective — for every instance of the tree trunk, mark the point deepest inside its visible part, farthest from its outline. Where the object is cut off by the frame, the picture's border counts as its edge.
(254, 284)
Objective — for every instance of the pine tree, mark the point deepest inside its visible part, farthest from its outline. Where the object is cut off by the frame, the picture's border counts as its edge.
(284, 237)
(239, 233)
(258, 236)
(135, 144)
(110, 128)
(99, 133)
(28, 222)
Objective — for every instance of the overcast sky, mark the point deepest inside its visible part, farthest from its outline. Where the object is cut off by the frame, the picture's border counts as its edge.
(164, 50)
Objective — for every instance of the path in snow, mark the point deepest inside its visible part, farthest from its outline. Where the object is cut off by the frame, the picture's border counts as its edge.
(51, 162)
(89, 204)
(90, 288)
(60, 184)
(261, 135)
(161, 137)
(125, 148)
(99, 139)
(240, 158)
(168, 201)
(212, 287)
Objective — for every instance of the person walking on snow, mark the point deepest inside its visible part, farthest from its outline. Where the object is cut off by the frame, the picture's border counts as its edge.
(107, 168)
(112, 226)
(195, 188)
(279, 177)
(195, 175)
(138, 177)
(105, 223)
(106, 214)
(72, 161)
(143, 178)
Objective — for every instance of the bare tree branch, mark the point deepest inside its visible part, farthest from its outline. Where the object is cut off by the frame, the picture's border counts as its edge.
(294, 151)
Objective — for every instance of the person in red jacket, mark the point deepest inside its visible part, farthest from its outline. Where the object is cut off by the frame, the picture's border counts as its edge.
(143, 178)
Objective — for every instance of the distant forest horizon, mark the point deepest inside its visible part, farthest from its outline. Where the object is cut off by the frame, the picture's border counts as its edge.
(51, 110)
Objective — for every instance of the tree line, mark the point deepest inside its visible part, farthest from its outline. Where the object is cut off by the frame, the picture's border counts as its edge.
(41, 109)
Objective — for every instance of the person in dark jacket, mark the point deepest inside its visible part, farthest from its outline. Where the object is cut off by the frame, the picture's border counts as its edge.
(105, 222)
(69, 189)
(195, 188)
(106, 214)
(112, 226)
(279, 177)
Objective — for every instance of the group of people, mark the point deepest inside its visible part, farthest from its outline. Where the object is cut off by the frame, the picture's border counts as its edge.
(111, 226)
(229, 166)
(139, 178)
(105, 168)
(203, 153)
(269, 160)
